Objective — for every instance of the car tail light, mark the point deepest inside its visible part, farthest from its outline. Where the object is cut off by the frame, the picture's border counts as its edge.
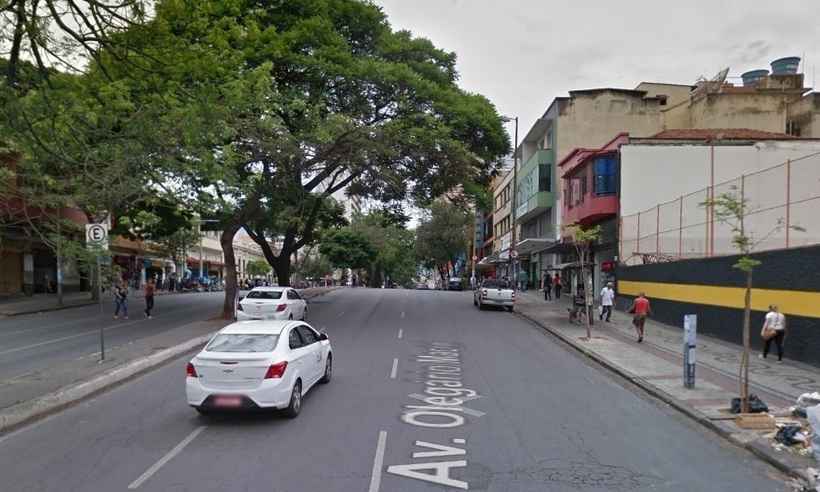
(484, 293)
(281, 307)
(190, 370)
(512, 296)
(276, 370)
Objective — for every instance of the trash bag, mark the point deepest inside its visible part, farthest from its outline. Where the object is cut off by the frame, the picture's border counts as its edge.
(799, 412)
(789, 435)
(756, 405)
(814, 420)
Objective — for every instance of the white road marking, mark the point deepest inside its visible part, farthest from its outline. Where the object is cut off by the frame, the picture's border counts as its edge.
(401, 332)
(402, 314)
(165, 459)
(378, 463)
(341, 314)
(394, 369)
(467, 410)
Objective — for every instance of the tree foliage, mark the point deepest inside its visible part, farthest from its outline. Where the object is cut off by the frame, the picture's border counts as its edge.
(443, 235)
(394, 245)
(346, 248)
(584, 238)
(258, 268)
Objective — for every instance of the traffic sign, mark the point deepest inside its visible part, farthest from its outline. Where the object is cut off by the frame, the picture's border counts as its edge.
(475, 258)
(96, 236)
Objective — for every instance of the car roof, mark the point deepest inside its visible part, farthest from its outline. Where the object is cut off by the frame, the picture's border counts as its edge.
(271, 289)
(259, 326)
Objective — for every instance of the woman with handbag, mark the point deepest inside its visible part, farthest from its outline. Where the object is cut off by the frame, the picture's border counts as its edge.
(774, 328)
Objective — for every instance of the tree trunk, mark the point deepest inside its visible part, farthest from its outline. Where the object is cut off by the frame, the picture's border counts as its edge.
(744, 361)
(282, 267)
(231, 287)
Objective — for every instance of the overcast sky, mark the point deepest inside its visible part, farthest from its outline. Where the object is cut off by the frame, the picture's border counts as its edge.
(523, 53)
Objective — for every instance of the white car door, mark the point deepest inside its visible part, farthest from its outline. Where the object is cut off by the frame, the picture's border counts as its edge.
(314, 352)
(297, 304)
(299, 358)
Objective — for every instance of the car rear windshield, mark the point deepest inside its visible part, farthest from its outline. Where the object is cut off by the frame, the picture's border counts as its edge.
(494, 284)
(242, 343)
(264, 294)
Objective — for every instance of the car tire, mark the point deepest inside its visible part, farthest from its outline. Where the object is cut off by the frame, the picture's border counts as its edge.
(295, 404)
(328, 370)
(205, 412)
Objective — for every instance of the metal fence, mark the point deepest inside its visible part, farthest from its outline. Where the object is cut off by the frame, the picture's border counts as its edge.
(779, 200)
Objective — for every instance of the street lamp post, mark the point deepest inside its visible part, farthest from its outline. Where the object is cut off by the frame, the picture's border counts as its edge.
(514, 243)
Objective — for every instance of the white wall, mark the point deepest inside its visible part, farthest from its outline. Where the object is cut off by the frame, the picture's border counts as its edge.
(652, 174)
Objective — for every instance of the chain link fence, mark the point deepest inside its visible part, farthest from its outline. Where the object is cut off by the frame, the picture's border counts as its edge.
(782, 211)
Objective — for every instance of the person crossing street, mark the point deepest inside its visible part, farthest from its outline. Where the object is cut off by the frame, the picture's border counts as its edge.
(150, 290)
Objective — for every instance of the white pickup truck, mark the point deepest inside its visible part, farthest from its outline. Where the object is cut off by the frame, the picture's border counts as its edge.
(494, 293)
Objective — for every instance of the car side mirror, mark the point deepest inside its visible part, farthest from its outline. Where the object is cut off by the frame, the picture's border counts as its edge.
(241, 297)
(323, 336)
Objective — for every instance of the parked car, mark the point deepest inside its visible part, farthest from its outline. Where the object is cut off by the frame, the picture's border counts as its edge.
(494, 293)
(271, 303)
(263, 364)
(455, 284)
(422, 286)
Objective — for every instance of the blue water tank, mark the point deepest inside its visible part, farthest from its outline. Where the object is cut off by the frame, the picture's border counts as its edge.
(785, 66)
(751, 77)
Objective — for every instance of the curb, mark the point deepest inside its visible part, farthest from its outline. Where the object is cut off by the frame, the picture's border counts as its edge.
(22, 413)
(47, 310)
(673, 402)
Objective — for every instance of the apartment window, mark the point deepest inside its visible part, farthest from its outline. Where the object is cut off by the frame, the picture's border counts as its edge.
(606, 175)
(583, 187)
(544, 177)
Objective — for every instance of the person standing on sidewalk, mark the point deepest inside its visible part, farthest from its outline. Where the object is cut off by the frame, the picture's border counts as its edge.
(547, 285)
(775, 321)
(641, 309)
(557, 286)
(523, 280)
(607, 299)
(150, 289)
(121, 300)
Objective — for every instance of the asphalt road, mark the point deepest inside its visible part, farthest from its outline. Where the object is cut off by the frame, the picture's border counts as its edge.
(38, 341)
(538, 418)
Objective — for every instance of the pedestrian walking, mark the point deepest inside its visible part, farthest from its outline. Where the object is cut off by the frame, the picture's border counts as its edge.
(150, 290)
(121, 300)
(607, 300)
(547, 286)
(640, 309)
(557, 286)
(523, 280)
(774, 328)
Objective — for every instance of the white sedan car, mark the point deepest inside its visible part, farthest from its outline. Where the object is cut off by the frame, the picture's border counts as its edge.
(262, 364)
(271, 303)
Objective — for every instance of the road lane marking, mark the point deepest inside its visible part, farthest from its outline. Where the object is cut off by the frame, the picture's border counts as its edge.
(402, 314)
(165, 459)
(378, 463)
(394, 369)
(401, 332)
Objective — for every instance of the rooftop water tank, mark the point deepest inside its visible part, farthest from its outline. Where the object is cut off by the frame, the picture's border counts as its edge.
(751, 77)
(785, 66)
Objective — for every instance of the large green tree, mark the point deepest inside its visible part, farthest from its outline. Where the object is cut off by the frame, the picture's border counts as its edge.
(443, 235)
(346, 248)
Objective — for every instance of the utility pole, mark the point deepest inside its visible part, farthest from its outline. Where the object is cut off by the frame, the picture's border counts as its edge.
(513, 246)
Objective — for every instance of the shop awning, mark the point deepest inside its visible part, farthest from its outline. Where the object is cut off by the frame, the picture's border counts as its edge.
(560, 248)
(533, 245)
(491, 260)
(563, 266)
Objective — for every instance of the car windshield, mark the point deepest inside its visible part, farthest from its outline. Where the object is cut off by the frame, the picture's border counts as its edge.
(264, 294)
(242, 343)
(494, 284)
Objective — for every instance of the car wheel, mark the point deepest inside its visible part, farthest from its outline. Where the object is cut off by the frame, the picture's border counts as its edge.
(328, 370)
(204, 411)
(295, 405)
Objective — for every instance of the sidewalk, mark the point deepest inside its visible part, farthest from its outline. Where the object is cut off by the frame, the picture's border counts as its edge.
(656, 365)
(39, 393)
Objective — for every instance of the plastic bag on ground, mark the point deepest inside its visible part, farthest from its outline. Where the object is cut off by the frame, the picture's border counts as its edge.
(813, 414)
(808, 400)
(756, 405)
(789, 435)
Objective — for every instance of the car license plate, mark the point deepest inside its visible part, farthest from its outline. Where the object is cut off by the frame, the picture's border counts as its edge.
(228, 401)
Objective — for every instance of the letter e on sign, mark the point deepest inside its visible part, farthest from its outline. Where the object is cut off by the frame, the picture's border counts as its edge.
(96, 236)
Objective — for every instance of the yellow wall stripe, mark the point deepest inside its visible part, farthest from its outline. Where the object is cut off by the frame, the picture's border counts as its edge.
(795, 302)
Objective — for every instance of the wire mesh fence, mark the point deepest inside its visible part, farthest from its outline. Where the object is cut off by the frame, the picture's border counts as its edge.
(782, 210)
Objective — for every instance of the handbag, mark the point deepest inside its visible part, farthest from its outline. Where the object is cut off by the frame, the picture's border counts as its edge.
(768, 333)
